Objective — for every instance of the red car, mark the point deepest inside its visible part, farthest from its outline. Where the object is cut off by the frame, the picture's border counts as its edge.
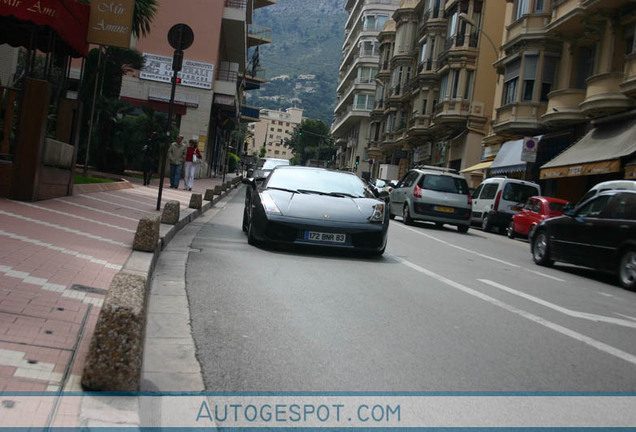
(536, 209)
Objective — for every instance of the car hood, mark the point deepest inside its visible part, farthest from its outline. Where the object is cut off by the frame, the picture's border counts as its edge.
(323, 207)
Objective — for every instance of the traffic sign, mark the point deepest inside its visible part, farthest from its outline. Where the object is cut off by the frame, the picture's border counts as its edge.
(529, 150)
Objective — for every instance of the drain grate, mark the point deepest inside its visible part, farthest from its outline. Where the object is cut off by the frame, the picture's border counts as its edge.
(88, 289)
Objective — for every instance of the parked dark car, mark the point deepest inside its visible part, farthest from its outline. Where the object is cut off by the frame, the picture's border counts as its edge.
(535, 210)
(600, 233)
(315, 207)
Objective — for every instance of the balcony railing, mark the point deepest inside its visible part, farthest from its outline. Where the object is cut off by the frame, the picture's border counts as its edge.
(458, 41)
(236, 4)
(427, 66)
(260, 32)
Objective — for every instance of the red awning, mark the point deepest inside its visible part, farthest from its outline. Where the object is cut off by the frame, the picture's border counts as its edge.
(29, 23)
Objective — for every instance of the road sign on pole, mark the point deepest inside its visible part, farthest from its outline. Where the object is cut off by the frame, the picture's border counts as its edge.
(529, 150)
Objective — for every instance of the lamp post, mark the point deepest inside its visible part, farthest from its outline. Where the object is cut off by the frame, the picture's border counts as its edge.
(462, 16)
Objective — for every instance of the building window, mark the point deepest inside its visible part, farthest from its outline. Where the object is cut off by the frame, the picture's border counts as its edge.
(529, 77)
(585, 66)
(539, 5)
(443, 86)
(363, 102)
(547, 78)
(522, 7)
(511, 82)
(454, 76)
(468, 89)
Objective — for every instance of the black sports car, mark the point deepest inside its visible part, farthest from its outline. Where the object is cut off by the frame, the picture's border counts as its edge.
(316, 207)
(600, 233)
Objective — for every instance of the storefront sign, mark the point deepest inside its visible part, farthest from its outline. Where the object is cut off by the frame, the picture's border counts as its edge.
(594, 168)
(193, 73)
(111, 23)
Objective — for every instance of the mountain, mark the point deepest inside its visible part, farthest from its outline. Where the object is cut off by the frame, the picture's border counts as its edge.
(302, 61)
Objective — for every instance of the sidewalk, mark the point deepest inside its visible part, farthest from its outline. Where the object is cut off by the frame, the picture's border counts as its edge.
(57, 260)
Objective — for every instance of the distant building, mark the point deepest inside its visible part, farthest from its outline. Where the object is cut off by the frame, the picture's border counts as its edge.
(272, 130)
(280, 78)
(307, 77)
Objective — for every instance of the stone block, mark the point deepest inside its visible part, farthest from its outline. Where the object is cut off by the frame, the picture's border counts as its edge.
(170, 213)
(147, 234)
(196, 201)
(114, 358)
(218, 189)
(209, 195)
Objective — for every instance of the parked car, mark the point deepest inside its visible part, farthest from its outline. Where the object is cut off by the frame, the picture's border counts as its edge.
(608, 185)
(265, 165)
(315, 207)
(432, 194)
(389, 185)
(497, 199)
(536, 209)
(600, 234)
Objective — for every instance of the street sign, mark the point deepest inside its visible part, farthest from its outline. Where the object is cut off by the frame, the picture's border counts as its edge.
(180, 36)
(529, 150)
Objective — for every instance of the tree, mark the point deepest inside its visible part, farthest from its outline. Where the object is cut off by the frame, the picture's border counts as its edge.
(311, 140)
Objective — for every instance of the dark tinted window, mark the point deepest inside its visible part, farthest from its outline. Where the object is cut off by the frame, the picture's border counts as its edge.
(489, 191)
(556, 206)
(623, 206)
(442, 183)
(518, 192)
(409, 179)
(537, 207)
(594, 207)
(529, 204)
(477, 191)
(319, 181)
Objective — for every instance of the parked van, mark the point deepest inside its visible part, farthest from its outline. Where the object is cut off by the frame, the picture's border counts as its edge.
(496, 199)
(608, 185)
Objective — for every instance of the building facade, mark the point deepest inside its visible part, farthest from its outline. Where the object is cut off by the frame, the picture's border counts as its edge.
(208, 103)
(436, 83)
(356, 82)
(569, 79)
(271, 132)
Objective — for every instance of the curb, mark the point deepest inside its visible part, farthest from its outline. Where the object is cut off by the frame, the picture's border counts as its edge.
(102, 372)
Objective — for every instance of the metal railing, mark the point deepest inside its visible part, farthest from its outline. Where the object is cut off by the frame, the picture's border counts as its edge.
(236, 4)
(259, 32)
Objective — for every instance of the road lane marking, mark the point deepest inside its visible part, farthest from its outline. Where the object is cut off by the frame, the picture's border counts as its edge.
(608, 349)
(565, 311)
(626, 316)
(488, 257)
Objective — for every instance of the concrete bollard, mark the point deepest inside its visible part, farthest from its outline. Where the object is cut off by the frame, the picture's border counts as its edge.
(170, 213)
(147, 234)
(196, 201)
(218, 189)
(115, 354)
(209, 195)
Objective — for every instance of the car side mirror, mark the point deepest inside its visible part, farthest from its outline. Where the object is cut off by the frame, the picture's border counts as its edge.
(569, 211)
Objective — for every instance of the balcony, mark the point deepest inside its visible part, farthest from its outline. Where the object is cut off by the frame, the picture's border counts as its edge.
(629, 84)
(520, 118)
(420, 125)
(249, 114)
(452, 111)
(460, 46)
(354, 112)
(564, 107)
(258, 35)
(604, 95)
(567, 17)
(263, 3)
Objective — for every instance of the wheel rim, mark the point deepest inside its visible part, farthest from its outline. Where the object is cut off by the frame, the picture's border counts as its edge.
(484, 222)
(511, 230)
(405, 214)
(628, 268)
(540, 247)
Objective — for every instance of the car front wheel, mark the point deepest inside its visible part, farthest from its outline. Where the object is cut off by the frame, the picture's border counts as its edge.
(627, 270)
(541, 249)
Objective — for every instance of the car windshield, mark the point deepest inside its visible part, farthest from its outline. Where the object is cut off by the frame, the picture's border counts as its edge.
(442, 183)
(271, 163)
(518, 192)
(317, 181)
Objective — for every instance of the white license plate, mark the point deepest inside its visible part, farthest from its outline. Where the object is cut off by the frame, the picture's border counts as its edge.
(325, 237)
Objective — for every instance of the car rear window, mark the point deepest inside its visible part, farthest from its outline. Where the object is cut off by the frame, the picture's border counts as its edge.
(442, 183)
(518, 192)
(556, 206)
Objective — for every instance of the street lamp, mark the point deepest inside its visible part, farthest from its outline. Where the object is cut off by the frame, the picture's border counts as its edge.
(466, 18)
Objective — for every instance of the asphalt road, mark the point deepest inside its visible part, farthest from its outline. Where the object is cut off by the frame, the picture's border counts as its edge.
(440, 311)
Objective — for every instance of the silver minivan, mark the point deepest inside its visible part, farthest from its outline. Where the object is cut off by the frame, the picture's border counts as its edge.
(432, 194)
(497, 199)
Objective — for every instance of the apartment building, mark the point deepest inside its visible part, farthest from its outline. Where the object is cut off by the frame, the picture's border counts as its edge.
(436, 81)
(569, 79)
(356, 82)
(271, 132)
(218, 67)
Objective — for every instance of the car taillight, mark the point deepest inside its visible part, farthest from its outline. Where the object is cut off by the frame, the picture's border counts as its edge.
(470, 200)
(417, 192)
(390, 189)
(497, 199)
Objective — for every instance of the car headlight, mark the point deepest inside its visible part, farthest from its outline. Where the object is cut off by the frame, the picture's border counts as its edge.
(378, 213)
(268, 204)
